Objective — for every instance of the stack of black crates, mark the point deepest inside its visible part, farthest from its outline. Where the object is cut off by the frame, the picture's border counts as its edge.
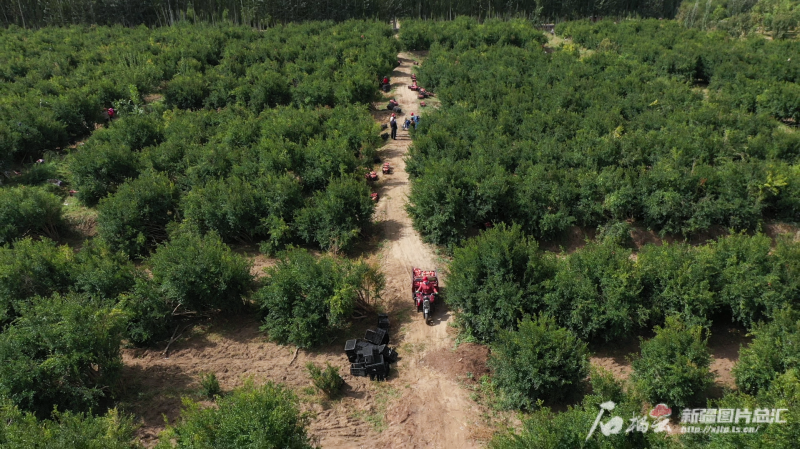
(372, 356)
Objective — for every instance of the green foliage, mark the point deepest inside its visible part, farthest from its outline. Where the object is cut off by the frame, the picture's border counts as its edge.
(100, 272)
(773, 351)
(99, 169)
(595, 293)
(306, 299)
(601, 293)
(41, 268)
(334, 218)
(241, 211)
(201, 273)
(664, 127)
(186, 91)
(491, 278)
(135, 219)
(251, 417)
(149, 313)
(538, 361)
(29, 211)
(673, 365)
(65, 430)
(466, 32)
(209, 385)
(543, 429)
(783, 392)
(62, 351)
(605, 385)
(31, 268)
(776, 17)
(327, 380)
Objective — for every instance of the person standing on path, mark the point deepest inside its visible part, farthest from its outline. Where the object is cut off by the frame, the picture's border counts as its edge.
(393, 125)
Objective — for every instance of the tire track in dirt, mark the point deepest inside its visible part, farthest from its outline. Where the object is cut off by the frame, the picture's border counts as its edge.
(432, 410)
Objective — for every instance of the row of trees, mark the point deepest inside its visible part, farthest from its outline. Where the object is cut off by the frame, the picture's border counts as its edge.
(551, 140)
(601, 292)
(64, 315)
(259, 13)
(283, 175)
(57, 81)
(540, 362)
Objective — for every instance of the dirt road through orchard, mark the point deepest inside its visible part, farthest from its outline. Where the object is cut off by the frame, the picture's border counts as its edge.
(418, 407)
(431, 409)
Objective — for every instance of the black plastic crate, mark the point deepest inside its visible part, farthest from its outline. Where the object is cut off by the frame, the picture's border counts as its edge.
(358, 369)
(383, 321)
(389, 354)
(368, 349)
(375, 337)
(378, 363)
(382, 336)
(350, 348)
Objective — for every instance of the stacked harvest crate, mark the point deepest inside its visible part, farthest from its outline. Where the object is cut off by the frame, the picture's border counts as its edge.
(372, 356)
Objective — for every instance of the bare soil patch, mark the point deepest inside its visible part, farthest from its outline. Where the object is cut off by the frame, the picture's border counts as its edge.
(467, 363)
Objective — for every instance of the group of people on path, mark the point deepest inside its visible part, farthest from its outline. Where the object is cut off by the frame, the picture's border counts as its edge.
(413, 120)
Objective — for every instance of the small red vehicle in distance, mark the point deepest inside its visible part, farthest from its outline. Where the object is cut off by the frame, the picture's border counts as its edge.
(425, 303)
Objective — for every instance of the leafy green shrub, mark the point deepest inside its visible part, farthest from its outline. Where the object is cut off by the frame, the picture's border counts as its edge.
(673, 365)
(595, 293)
(538, 361)
(62, 351)
(65, 430)
(563, 157)
(99, 169)
(32, 268)
(29, 211)
(241, 211)
(209, 385)
(781, 101)
(605, 385)
(134, 131)
(265, 416)
(186, 91)
(492, 278)
(99, 271)
(677, 279)
(305, 299)
(135, 219)
(201, 273)
(328, 380)
(774, 350)
(543, 429)
(334, 218)
(149, 314)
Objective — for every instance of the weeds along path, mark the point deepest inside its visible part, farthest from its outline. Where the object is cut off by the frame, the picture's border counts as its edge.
(428, 410)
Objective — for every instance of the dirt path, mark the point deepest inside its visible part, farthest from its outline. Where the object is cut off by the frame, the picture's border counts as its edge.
(434, 411)
(425, 408)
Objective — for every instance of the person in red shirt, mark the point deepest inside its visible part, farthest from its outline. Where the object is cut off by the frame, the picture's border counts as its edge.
(426, 288)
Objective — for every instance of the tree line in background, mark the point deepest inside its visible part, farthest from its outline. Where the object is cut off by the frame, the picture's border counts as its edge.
(264, 13)
(678, 130)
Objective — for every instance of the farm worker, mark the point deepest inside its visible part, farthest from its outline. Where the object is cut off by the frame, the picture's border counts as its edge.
(407, 123)
(385, 80)
(426, 288)
(393, 125)
(110, 113)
